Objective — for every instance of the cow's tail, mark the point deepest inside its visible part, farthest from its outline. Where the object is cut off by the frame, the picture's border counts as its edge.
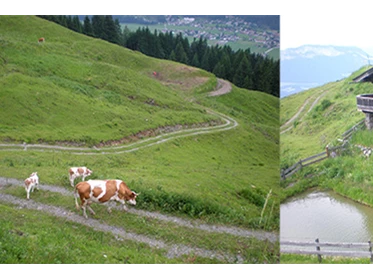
(76, 196)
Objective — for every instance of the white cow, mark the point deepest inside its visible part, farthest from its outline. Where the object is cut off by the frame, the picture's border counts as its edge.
(31, 182)
(103, 191)
(75, 172)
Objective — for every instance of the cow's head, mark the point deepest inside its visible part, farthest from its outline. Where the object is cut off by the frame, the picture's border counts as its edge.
(132, 198)
(34, 174)
(88, 172)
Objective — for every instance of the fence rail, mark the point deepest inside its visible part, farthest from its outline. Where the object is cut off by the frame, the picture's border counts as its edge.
(364, 252)
(285, 173)
(308, 161)
(347, 134)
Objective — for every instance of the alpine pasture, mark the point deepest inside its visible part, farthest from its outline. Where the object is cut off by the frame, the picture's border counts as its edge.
(76, 91)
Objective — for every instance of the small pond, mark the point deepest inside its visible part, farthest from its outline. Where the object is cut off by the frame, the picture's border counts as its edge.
(327, 216)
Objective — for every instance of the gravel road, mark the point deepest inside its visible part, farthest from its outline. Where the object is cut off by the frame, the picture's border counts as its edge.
(258, 234)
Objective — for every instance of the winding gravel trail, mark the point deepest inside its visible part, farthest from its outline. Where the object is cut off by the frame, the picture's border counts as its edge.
(223, 87)
(229, 123)
(173, 251)
(258, 234)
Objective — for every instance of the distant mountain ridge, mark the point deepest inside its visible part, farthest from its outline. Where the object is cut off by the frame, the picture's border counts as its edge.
(316, 65)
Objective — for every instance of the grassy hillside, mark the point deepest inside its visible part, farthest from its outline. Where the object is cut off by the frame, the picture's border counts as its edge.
(105, 92)
(335, 112)
(77, 90)
(322, 122)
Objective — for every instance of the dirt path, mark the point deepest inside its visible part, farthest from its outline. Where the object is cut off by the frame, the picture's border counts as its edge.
(229, 123)
(173, 250)
(223, 87)
(292, 119)
(258, 234)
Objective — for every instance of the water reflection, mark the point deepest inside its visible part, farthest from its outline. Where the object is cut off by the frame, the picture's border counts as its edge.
(327, 216)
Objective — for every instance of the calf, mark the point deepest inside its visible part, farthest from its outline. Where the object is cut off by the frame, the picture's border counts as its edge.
(102, 191)
(75, 172)
(31, 182)
(41, 40)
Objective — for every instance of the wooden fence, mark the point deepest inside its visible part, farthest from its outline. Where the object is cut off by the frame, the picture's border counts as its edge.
(285, 173)
(347, 134)
(331, 249)
(308, 161)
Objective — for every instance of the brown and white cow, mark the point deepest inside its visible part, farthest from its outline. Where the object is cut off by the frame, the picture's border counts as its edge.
(103, 191)
(41, 40)
(31, 182)
(75, 172)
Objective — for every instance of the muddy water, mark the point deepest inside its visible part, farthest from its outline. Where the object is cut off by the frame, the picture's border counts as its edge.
(327, 216)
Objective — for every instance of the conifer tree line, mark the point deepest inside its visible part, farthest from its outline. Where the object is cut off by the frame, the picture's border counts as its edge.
(242, 68)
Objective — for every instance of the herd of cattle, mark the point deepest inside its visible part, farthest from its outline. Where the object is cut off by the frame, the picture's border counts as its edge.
(98, 191)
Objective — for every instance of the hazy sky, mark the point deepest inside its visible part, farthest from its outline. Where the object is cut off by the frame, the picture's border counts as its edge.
(337, 30)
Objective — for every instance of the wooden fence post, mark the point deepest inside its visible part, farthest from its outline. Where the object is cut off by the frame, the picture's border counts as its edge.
(327, 151)
(318, 249)
(370, 251)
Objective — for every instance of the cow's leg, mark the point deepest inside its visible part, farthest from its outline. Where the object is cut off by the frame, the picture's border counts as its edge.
(83, 206)
(28, 192)
(84, 212)
(90, 209)
(124, 205)
(72, 178)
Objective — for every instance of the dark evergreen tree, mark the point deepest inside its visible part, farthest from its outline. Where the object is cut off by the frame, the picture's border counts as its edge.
(205, 62)
(110, 30)
(172, 56)
(125, 35)
(118, 29)
(180, 54)
(242, 72)
(219, 70)
(98, 26)
(76, 24)
(195, 61)
(87, 26)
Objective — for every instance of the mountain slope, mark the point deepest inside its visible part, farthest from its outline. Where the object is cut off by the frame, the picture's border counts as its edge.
(333, 112)
(104, 92)
(83, 91)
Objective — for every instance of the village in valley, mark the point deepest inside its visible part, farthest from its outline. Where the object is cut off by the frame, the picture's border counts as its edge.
(230, 29)
(219, 30)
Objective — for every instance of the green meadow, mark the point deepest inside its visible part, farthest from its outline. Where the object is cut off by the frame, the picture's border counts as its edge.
(335, 112)
(79, 91)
